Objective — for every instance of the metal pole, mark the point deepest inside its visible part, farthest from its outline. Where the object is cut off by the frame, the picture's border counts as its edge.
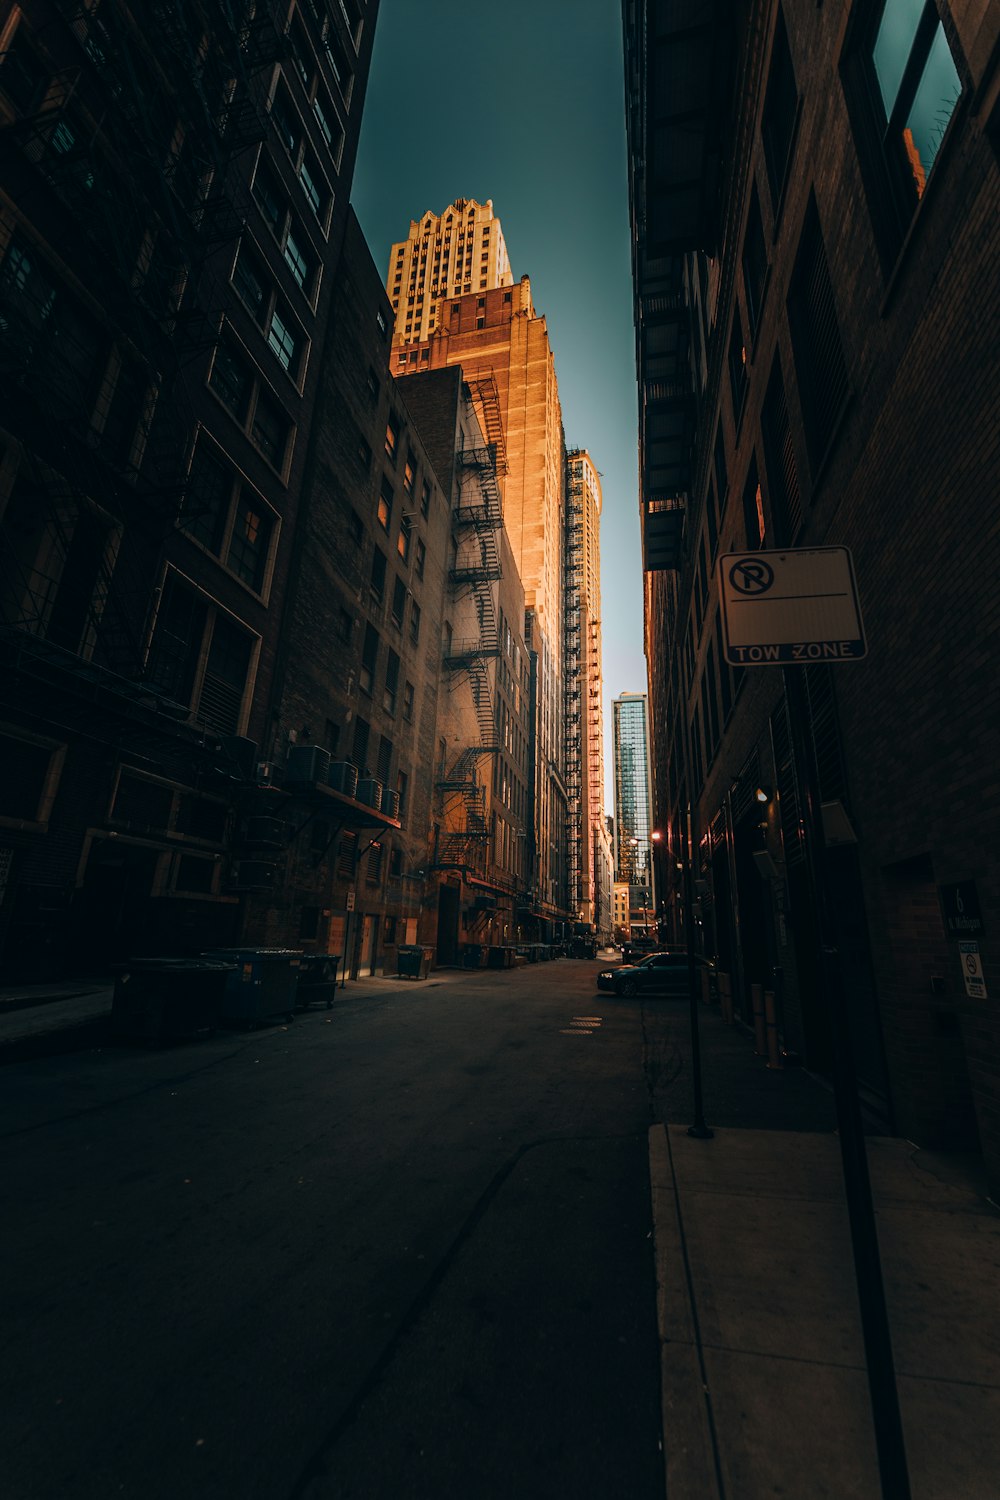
(699, 1129)
(857, 1184)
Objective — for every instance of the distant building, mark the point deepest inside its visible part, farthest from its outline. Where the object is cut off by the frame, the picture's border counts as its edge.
(633, 849)
(584, 685)
(501, 343)
(620, 910)
(444, 255)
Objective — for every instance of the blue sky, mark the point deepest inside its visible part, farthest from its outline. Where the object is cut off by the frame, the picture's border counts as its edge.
(524, 103)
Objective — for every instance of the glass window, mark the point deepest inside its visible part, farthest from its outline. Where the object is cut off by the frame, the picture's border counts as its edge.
(918, 83)
(414, 622)
(231, 380)
(369, 659)
(283, 340)
(398, 601)
(298, 262)
(403, 541)
(250, 282)
(269, 199)
(270, 429)
(421, 558)
(311, 185)
(378, 573)
(408, 695)
(425, 499)
(286, 122)
(207, 494)
(250, 542)
(385, 505)
(390, 439)
(391, 682)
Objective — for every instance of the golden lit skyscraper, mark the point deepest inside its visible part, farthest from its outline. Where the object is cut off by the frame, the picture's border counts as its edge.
(583, 683)
(444, 255)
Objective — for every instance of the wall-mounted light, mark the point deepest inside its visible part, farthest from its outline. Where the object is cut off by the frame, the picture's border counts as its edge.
(763, 794)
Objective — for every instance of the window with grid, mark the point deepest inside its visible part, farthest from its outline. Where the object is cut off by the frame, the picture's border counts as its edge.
(781, 104)
(369, 659)
(250, 543)
(420, 558)
(384, 763)
(312, 186)
(207, 497)
(347, 854)
(385, 505)
(820, 367)
(398, 602)
(414, 622)
(285, 118)
(359, 746)
(284, 339)
(251, 283)
(270, 199)
(270, 429)
(377, 580)
(779, 460)
(403, 540)
(231, 379)
(754, 262)
(903, 87)
(298, 259)
(391, 689)
(391, 438)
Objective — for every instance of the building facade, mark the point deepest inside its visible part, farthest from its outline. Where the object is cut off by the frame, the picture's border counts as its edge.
(814, 293)
(584, 689)
(444, 255)
(496, 336)
(633, 825)
(173, 201)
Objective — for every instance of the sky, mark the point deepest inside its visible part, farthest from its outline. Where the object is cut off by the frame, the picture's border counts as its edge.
(524, 103)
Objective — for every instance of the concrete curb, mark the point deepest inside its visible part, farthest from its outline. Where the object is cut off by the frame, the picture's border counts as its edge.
(688, 1451)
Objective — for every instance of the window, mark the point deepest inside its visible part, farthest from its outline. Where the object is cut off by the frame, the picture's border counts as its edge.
(385, 505)
(737, 364)
(391, 683)
(373, 385)
(408, 474)
(425, 499)
(313, 186)
(779, 459)
(421, 557)
(369, 659)
(819, 354)
(298, 260)
(391, 438)
(250, 542)
(207, 497)
(754, 262)
(753, 508)
(329, 128)
(377, 582)
(270, 429)
(250, 283)
(355, 526)
(384, 763)
(337, 58)
(359, 746)
(780, 110)
(287, 123)
(285, 340)
(231, 379)
(408, 695)
(402, 787)
(211, 683)
(398, 602)
(345, 626)
(414, 622)
(22, 76)
(403, 540)
(270, 199)
(905, 87)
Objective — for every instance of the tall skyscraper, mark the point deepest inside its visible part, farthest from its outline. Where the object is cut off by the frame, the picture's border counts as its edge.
(632, 790)
(444, 255)
(583, 685)
(495, 334)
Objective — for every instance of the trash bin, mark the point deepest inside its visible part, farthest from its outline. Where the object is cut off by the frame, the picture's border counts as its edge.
(500, 956)
(158, 997)
(410, 961)
(263, 985)
(317, 979)
(472, 956)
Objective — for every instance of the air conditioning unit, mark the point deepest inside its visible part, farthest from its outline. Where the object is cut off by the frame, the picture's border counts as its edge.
(343, 777)
(390, 803)
(264, 832)
(255, 875)
(370, 793)
(307, 763)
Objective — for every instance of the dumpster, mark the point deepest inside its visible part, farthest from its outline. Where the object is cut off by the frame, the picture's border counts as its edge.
(412, 961)
(263, 985)
(158, 997)
(500, 956)
(472, 956)
(317, 979)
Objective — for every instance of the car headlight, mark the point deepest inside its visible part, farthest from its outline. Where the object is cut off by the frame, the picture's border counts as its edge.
(606, 975)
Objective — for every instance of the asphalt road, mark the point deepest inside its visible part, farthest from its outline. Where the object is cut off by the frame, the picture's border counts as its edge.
(398, 1249)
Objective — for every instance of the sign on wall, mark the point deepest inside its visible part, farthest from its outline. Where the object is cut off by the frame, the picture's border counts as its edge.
(790, 608)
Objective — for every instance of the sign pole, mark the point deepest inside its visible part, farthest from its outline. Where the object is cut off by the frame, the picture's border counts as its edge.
(857, 1183)
(699, 1130)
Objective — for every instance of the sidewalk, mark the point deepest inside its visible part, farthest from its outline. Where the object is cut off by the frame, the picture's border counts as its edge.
(65, 1015)
(763, 1373)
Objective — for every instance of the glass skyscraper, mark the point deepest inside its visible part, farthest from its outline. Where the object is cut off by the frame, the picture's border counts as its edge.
(632, 790)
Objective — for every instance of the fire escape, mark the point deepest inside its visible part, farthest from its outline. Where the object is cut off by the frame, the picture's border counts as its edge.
(122, 156)
(476, 523)
(574, 683)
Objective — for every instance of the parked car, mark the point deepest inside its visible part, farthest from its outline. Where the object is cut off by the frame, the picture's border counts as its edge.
(663, 973)
(638, 947)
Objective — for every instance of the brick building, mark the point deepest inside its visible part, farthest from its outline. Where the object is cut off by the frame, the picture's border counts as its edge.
(816, 295)
(174, 183)
(494, 333)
